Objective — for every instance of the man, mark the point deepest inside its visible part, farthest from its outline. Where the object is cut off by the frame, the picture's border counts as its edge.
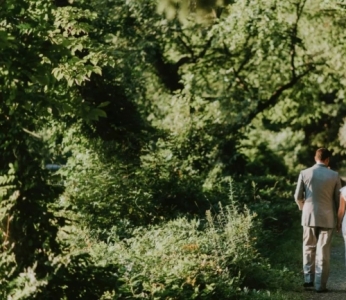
(317, 195)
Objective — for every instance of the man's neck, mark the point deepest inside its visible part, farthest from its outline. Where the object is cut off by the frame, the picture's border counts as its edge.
(321, 162)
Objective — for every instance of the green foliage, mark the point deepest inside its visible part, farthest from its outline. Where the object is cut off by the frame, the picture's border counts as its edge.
(192, 260)
(26, 207)
(106, 190)
(89, 280)
(35, 52)
(151, 106)
(271, 198)
(202, 10)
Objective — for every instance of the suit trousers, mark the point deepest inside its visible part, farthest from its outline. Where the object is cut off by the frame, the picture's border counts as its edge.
(316, 255)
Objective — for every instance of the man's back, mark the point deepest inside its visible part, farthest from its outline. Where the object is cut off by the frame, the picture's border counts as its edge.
(319, 187)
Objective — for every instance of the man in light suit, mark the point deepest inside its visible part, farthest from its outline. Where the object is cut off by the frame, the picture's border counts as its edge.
(317, 195)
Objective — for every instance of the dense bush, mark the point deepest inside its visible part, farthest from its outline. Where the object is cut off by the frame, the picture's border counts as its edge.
(192, 259)
(72, 274)
(278, 218)
(107, 191)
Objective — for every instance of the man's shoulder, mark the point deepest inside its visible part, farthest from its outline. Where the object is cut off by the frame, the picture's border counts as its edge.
(332, 173)
(307, 170)
(321, 168)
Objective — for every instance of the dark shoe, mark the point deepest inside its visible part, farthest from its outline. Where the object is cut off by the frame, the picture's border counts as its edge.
(322, 291)
(308, 284)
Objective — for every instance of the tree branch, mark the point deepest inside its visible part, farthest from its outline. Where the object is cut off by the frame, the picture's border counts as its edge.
(206, 47)
(278, 92)
(294, 36)
(237, 71)
(187, 47)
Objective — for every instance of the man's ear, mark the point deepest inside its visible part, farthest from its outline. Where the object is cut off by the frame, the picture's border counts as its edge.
(327, 161)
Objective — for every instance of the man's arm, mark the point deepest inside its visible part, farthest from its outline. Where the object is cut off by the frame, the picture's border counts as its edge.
(299, 194)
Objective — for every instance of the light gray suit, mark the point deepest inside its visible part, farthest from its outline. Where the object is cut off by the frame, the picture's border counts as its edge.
(317, 194)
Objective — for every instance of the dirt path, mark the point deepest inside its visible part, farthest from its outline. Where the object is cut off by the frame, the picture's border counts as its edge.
(337, 279)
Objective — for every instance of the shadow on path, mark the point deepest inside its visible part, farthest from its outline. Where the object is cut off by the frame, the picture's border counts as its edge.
(337, 278)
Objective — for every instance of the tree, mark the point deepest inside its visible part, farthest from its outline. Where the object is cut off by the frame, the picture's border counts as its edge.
(46, 55)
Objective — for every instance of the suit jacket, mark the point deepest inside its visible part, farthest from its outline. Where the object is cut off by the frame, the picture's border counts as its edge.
(317, 194)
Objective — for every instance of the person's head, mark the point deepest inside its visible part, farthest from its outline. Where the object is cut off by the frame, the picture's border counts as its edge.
(322, 156)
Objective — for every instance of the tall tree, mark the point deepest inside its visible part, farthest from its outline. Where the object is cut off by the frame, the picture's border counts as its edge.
(46, 55)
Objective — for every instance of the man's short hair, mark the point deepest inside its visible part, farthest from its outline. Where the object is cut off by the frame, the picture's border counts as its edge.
(322, 154)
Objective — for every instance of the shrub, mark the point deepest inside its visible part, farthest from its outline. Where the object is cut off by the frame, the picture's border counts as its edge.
(107, 191)
(191, 259)
(74, 275)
